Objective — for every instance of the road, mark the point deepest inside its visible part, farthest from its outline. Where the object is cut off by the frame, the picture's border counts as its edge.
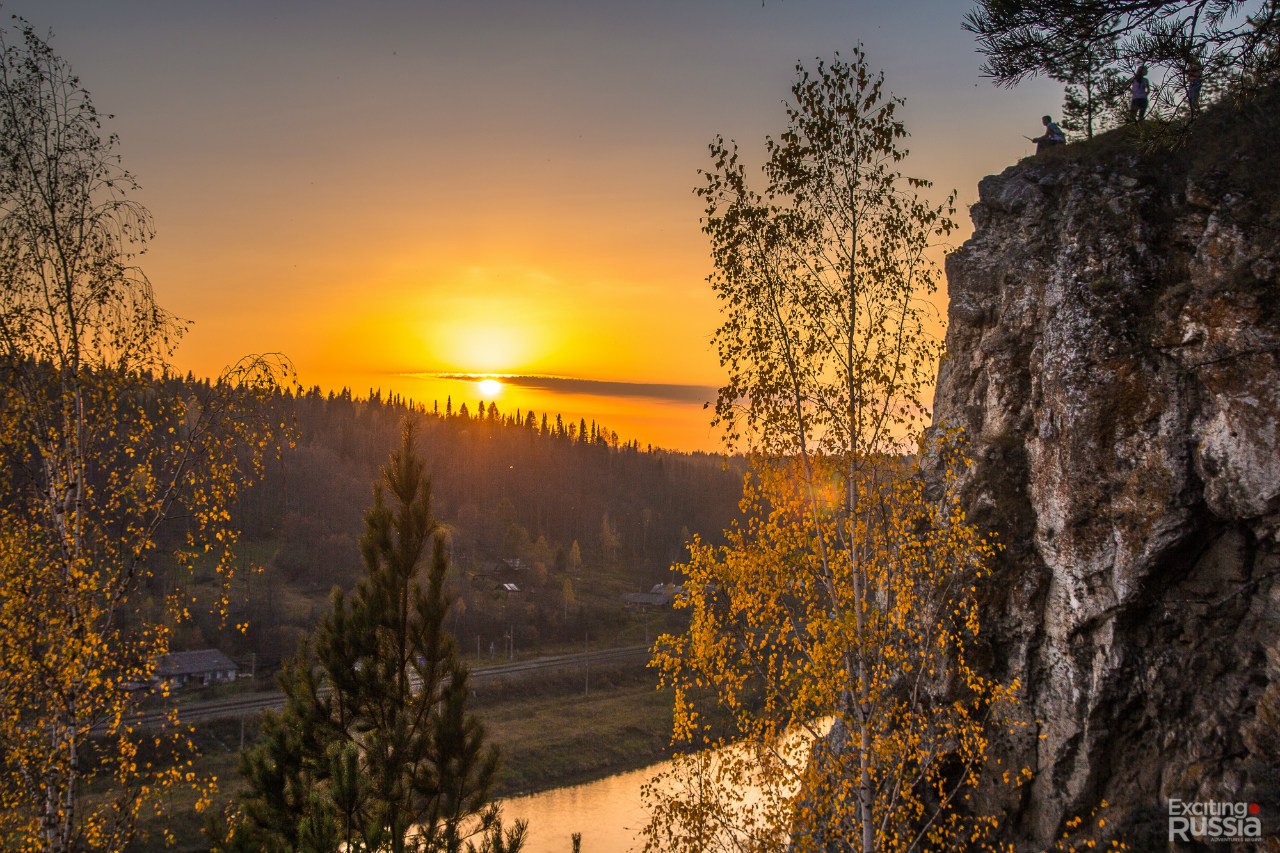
(252, 703)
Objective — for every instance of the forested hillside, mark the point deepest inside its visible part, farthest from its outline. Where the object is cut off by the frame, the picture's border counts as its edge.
(566, 512)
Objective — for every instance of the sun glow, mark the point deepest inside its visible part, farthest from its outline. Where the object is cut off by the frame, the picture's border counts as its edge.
(490, 388)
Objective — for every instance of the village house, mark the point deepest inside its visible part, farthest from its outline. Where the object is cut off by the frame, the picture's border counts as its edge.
(203, 667)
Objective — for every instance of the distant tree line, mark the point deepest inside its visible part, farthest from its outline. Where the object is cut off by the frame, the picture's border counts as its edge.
(567, 511)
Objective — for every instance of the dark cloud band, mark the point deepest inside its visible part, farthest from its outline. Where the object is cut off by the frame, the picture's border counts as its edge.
(593, 387)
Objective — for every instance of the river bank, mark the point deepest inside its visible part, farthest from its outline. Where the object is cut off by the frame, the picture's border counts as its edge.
(567, 738)
(553, 732)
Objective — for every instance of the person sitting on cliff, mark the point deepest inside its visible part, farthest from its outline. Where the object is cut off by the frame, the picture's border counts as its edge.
(1053, 135)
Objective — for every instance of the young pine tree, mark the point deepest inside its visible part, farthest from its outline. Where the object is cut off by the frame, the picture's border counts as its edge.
(375, 749)
(1096, 95)
(1093, 104)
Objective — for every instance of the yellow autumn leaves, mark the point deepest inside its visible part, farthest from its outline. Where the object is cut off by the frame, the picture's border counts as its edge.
(825, 686)
(110, 471)
(837, 646)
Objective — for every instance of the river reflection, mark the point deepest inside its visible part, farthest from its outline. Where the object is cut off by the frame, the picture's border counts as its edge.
(608, 812)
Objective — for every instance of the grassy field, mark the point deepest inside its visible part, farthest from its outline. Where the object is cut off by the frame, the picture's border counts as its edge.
(549, 731)
(567, 737)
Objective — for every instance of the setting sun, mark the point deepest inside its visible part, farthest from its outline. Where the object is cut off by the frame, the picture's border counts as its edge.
(490, 388)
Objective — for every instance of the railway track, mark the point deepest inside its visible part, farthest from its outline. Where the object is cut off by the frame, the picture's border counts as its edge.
(241, 706)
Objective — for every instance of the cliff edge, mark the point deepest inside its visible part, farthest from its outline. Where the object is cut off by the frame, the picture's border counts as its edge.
(1114, 355)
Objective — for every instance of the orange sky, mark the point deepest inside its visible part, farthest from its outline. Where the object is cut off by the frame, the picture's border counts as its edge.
(407, 188)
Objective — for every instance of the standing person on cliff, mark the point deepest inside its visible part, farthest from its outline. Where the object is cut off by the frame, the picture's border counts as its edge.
(1195, 75)
(1138, 98)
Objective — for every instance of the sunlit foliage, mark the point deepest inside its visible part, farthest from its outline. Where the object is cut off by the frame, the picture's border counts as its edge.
(851, 631)
(105, 476)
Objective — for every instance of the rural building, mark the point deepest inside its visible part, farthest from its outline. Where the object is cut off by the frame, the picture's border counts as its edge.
(662, 595)
(207, 666)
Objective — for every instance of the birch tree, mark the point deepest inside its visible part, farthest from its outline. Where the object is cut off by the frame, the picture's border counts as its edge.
(824, 688)
(105, 473)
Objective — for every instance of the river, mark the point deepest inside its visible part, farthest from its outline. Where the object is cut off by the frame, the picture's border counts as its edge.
(608, 812)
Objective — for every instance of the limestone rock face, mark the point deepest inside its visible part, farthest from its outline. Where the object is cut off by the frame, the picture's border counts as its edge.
(1114, 357)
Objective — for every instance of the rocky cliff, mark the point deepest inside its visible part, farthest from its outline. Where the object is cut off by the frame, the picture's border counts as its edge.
(1114, 355)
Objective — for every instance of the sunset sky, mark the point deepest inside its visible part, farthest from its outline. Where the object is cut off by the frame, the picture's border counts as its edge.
(395, 193)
